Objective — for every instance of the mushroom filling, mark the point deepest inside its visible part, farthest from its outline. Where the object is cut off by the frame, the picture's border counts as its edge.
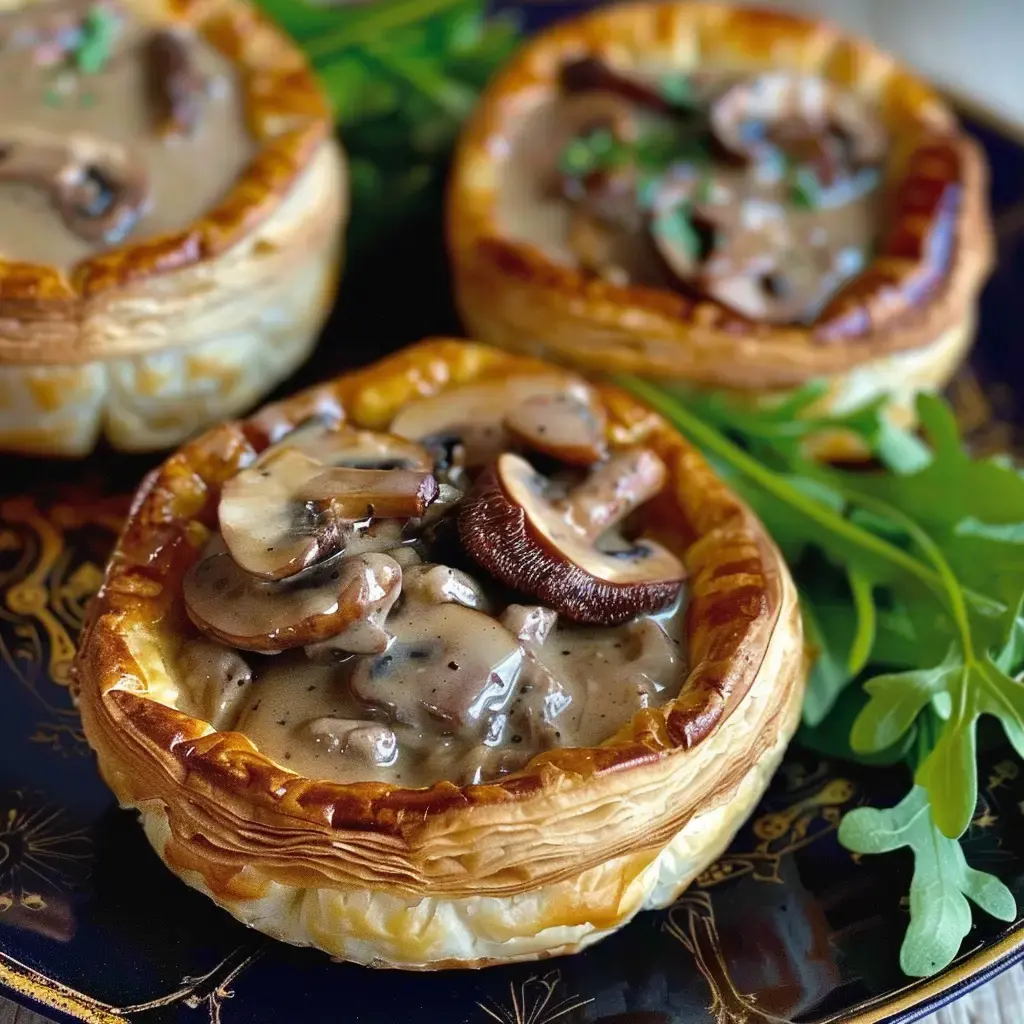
(760, 192)
(112, 127)
(381, 646)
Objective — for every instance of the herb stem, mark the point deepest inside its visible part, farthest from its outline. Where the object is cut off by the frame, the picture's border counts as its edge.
(953, 593)
(374, 24)
(714, 441)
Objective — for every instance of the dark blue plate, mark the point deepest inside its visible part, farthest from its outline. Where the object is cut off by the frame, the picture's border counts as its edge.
(786, 927)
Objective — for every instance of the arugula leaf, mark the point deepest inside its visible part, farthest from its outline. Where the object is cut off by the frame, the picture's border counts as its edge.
(828, 636)
(895, 702)
(831, 737)
(940, 916)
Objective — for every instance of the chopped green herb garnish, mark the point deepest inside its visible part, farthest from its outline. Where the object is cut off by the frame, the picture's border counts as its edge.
(663, 143)
(53, 98)
(98, 34)
(598, 150)
(705, 189)
(805, 189)
(647, 188)
(678, 90)
(602, 142)
(676, 229)
(577, 159)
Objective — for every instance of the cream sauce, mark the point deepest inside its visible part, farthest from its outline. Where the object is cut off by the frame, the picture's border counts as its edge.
(187, 176)
(502, 704)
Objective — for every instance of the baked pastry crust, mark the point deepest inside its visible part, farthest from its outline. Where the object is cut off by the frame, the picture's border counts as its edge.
(543, 861)
(153, 339)
(904, 324)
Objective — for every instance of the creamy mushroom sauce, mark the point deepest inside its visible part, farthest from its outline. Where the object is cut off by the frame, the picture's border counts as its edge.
(758, 191)
(58, 90)
(470, 682)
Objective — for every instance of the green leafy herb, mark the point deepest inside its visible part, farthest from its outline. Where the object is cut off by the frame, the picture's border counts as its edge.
(598, 150)
(675, 228)
(940, 915)
(678, 90)
(99, 31)
(895, 566)
(401, 76)
(804, 189)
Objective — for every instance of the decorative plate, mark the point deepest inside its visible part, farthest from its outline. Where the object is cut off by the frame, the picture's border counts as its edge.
(786, 927)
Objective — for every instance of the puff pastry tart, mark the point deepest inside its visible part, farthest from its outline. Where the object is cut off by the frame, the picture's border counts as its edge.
(171, 204)
(456, 660)
(721, 198)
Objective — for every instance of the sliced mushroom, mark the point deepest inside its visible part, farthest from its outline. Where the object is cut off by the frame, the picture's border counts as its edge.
(366, 634)
(472, 416)
(801, 115)
(591, 74)
(368, 493)
(750, 256)
(565, 551)
(288, 511)
(560, 426)
(370, 742)
(448, 665)
(99, 188)
(216, 678)
(176, 86)
(441, 584)
(236, 608)
(343, 445)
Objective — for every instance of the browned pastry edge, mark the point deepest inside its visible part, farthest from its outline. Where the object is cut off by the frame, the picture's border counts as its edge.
(289, 118)
(934, 254)
(215, 782)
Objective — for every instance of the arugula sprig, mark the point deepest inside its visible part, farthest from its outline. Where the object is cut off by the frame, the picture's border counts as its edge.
(912, 584)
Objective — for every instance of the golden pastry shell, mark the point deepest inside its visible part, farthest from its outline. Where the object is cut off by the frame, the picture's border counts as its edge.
(152, 339)
(511, 293)
(241, 827)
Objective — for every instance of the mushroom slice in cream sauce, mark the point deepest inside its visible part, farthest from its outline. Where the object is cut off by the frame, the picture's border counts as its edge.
(448, 673)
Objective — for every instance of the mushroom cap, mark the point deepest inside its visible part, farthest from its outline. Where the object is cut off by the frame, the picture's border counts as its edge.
(269, 616)
(269, 531)
(296, 504)
(509, 526)
(475, 413)
(343, 445)
(561, 426)
(815, 104)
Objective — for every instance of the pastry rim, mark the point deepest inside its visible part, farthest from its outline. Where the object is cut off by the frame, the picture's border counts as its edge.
(288, 117)
(737, 590)
(861, 322)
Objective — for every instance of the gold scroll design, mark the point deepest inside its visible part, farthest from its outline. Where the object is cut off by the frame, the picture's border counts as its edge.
(206, 993)
(42, 858)
(45, 594)
(691, 919)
